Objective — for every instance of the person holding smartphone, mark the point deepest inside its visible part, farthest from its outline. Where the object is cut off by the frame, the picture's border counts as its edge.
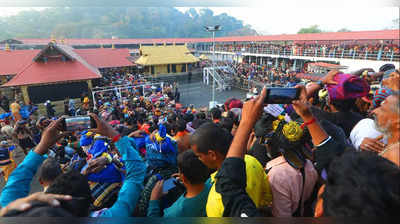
(75, 199)
(193, 174)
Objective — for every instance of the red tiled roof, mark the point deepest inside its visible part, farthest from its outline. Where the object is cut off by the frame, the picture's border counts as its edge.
(324, 64)
(313, 77)
(357, 35)
(11, 62)
(52, 72)
(105, 57)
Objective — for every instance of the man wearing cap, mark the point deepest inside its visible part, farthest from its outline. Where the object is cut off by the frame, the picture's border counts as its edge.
(390, 83)
(343, 90)
(292, 177)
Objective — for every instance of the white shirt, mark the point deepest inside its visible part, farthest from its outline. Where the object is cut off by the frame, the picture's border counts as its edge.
(363, 129)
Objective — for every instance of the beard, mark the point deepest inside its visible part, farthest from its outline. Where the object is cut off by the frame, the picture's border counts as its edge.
(382, 128)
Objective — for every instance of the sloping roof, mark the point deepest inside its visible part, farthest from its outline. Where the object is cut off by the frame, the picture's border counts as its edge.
(335, 36)
(326, 65)
(52, 72)
(105, 57)
(11, 41)
(11, 62)
(160, 55)
(70, 51)
(61, 49)
(309, 76)
(47, 67)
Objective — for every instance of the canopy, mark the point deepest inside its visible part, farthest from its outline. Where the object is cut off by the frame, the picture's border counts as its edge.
(162, 55)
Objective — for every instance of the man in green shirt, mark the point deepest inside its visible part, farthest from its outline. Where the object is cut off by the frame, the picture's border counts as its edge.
(193, 174)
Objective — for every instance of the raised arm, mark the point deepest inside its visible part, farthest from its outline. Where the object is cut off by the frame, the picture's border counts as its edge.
(328, 79)
(231, 177)
(135, 172)
(251, 112)
(302, 108)
(19, 182)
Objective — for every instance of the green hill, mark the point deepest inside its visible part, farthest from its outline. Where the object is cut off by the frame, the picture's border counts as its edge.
(130, 22)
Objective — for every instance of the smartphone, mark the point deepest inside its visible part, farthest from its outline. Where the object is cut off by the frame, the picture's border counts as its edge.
(169, 184)
(281, 95)
(79, 123)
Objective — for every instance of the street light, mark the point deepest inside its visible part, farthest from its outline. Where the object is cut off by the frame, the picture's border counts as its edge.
(213, 29)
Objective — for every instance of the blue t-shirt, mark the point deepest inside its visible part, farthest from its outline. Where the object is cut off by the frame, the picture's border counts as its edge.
(183, 207)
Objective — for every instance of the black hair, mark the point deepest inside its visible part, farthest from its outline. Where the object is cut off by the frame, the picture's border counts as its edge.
(75, 184)
(386, 67)
(192, 168)
(171, 118)
(362, 184)
(188, 117)
(201, 115)
(180, 125)
(344, 105)
(215, 113)
(227, 123)
(152, 127)
(210, 136)
(170, 128)
(316, 100)
(231, 115)
(39, 209)
(198, 122)
(49, 170)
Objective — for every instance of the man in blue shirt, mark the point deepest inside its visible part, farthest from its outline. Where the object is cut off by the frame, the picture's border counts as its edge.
(193, 174)
(72, 183)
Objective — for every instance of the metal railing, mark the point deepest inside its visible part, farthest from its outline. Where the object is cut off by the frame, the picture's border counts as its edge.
(223, 81)
(380, 55)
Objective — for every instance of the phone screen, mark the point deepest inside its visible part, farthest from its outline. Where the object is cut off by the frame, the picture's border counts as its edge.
(168, 184)
(78, 123)
(282, 95)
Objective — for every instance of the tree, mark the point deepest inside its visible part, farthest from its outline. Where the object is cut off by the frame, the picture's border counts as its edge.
(311, 29)
(123, 22)
(344, 30)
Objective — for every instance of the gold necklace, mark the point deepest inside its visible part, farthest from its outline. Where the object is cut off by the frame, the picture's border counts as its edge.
(387, 148)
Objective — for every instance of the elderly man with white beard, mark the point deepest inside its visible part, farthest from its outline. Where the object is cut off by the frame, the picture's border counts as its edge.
(387, 121)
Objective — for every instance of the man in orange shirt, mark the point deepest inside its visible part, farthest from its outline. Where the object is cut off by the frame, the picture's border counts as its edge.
(182, 137)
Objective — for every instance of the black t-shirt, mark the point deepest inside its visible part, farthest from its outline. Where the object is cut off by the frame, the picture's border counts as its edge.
(345, 120)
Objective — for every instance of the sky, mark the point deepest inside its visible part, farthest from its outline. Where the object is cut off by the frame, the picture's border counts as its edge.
(266, 20)
(276, 19)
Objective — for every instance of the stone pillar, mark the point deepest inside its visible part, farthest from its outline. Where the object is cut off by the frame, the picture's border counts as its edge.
(90, 85)
(25, 95)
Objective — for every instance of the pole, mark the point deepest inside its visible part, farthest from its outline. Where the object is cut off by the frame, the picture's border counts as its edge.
(213, 88)
(94, 100)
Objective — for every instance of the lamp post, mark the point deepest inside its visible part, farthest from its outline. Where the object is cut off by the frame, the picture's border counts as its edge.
(213, 29)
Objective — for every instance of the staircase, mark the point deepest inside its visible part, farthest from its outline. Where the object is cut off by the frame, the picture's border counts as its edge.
(224, 82)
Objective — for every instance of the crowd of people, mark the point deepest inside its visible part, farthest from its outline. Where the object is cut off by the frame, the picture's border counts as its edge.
(379, 51)
(333, 152)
